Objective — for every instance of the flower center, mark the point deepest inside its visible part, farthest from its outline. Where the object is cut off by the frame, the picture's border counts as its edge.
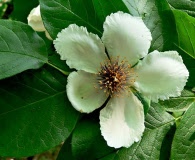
(115, 76)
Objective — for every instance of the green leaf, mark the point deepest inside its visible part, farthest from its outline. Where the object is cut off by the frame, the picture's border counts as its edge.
(184, 5)
(185, 27)
(54, 61)
(80, 12)
(35, 114)
(190, 64)
(54, 58)
(85, 13)
(20, 48)
(150, 11)
(158, 122)
(65, 150)
(21, 11)
(86, 141)
(184, 42)
(165, 150)
(104, 8)
(181, 103)
(144, 101)
(184, 139)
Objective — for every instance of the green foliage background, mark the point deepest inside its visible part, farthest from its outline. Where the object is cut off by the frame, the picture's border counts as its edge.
(35, 114)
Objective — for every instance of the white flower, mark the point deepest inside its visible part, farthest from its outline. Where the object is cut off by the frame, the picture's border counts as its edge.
(159, 75)
(36, 22)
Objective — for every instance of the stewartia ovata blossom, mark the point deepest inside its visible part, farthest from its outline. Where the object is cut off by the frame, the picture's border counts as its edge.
(109, 67)
(36, 22)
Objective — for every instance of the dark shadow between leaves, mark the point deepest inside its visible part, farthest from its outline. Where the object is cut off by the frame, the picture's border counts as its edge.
(192, 137)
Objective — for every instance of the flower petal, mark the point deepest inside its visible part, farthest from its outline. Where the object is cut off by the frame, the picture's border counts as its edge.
(161, 75)
(35, 20)
(81, 92)
(81, 50)
(126, 36)
(122, 121)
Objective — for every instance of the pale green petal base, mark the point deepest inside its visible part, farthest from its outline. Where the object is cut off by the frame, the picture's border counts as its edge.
(82, 94)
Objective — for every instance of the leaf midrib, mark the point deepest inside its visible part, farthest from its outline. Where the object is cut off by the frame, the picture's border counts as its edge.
(27, 55)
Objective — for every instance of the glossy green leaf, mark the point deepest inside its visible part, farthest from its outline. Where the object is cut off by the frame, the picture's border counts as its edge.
(183, 146)
(54, 61)
(165, 150)
(58, 14)
(104, 8)
(86, 141)
(187, 6)
(150, 11)
(53, 57)
(190, 64)
(21, 11)
(66, 150)
(185, 27)
(158, 122)
(35, 114)
(181, 103)
(20, 48)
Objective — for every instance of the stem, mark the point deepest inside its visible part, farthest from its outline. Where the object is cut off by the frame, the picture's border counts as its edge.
(178, 118)
(63, 72)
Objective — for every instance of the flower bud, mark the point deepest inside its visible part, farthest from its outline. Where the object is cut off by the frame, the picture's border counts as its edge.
(35, 20)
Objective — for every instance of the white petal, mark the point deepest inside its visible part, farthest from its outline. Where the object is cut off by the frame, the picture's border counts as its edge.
(126, 36)
(80, 49)
(81, 92)
(122, 121)
(35, 20)
(161, 75)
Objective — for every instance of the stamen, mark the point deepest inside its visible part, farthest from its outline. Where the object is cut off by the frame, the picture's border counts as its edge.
(115, 76)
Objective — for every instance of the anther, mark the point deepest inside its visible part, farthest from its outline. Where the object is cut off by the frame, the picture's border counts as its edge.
(115, 76)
